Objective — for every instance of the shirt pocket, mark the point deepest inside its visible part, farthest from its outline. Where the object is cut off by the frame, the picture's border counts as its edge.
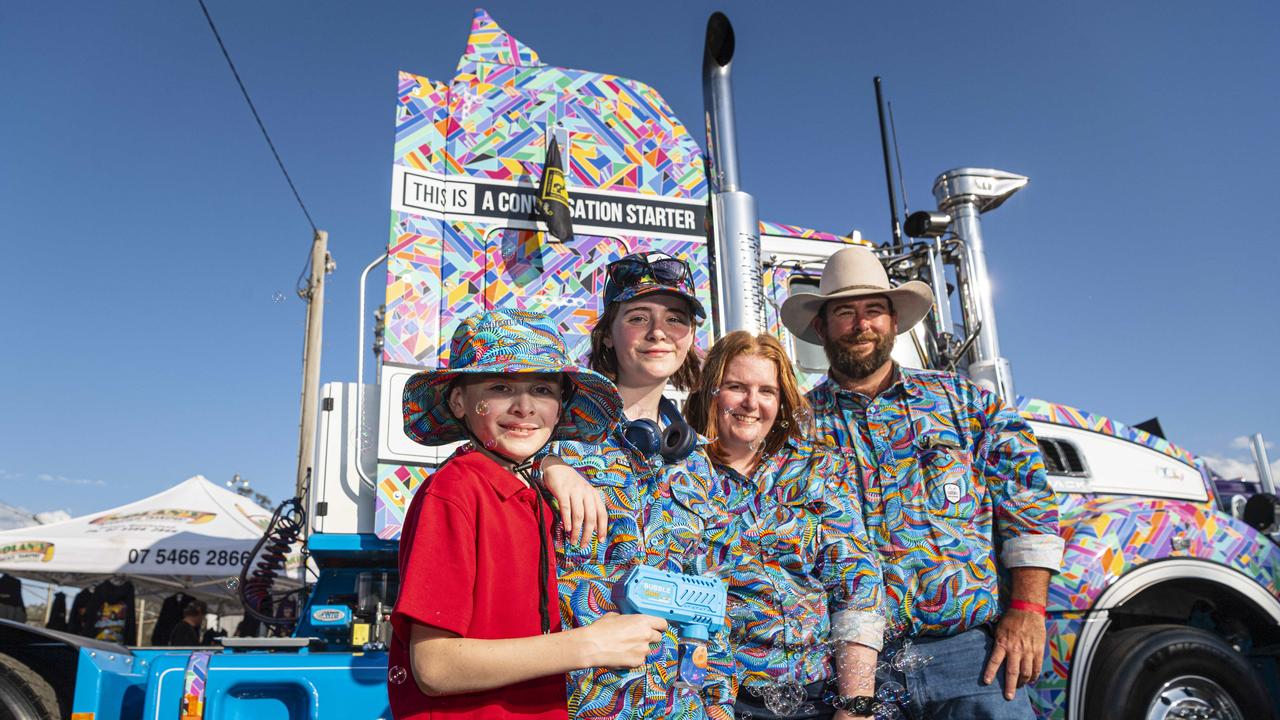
(622, 542)
(946, 469)
(790, 534)
(695, 521)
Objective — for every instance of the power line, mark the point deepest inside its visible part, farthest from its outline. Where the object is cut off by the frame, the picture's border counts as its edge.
(254, 110)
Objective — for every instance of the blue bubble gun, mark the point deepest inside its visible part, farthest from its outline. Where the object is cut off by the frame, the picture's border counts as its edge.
(694, 603)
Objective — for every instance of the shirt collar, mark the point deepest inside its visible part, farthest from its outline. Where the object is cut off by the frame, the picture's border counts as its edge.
(790, 447)
(503, 481)
(902, 378)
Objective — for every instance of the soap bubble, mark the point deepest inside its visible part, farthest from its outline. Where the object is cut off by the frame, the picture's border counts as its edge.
(714, 392)
(233, 583)
(277, 297)
(802, 416)
(806, 709)
(891, 691)
(909, 660)
(490, 444)
(884, 711)
(482, 407)
(784, 697)
(397, 675)
(743, 716)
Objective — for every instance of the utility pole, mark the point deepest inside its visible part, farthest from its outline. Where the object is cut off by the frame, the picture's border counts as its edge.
(321, 265)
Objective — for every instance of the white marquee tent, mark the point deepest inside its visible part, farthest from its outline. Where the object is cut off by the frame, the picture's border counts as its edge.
(195, 537)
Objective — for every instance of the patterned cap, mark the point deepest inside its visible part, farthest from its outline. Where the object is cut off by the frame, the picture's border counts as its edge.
(649, 273)
(503, 342)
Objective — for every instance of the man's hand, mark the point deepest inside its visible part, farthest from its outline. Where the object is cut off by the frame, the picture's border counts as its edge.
(582, 508)
(1019, 645)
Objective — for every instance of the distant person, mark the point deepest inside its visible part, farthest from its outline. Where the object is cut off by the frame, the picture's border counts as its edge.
(11, 604)
(948, 474)
(187, 632)
(477, 622)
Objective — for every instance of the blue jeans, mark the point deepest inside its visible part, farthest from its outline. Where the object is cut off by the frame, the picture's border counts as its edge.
(950, 686)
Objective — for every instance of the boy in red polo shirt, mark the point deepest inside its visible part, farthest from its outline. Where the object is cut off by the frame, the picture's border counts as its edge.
(476, 625)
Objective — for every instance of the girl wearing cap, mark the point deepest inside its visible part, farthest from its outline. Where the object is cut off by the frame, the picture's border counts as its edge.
(477, 634)
(804, 596)
(656, 483)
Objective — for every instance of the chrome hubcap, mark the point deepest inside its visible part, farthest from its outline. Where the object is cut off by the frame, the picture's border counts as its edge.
(1192, 697)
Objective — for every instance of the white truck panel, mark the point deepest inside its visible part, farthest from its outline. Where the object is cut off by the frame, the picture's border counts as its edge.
(1119, 467)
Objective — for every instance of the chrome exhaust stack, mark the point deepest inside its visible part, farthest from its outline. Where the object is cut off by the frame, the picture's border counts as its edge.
(1263, 463)
(964, 194)
(737, 283)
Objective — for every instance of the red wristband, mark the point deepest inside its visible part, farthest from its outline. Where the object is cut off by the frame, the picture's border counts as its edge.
(1027, 606)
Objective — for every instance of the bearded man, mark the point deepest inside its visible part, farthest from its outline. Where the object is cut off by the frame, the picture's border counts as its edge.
(954, 496)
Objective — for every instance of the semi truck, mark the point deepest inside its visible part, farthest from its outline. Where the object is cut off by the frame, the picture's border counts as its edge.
(1168, 603)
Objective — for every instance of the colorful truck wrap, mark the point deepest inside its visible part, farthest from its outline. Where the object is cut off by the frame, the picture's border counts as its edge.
(1147, 543)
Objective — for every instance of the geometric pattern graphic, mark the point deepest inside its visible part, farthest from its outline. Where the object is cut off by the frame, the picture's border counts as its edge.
(490, 123)
(1045, 411)
(1109, 536)
(803, 233)
(396, 485)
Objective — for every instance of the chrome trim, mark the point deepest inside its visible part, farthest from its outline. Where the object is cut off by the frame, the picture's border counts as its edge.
(364, 276)
(964, 194)
(1259, 447)
(737, 285)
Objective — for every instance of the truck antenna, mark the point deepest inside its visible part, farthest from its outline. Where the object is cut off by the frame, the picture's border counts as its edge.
(888, 170)
(893, 128)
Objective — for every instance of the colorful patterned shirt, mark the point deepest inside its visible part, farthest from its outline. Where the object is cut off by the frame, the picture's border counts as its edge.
(807, 574)
(664, 516)
(950, 476)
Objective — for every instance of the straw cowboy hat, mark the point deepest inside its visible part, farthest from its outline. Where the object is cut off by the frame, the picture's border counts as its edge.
(502, 342)
(855, 272)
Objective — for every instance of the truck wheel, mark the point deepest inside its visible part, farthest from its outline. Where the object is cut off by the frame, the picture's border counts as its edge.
(24, 695)
(1164, 672)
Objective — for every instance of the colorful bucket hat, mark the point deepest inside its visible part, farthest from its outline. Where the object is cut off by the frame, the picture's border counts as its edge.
(501, 342)
(640, 274)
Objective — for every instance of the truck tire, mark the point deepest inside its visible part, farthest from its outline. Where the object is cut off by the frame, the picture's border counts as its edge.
(24, 695)
(1156, 672)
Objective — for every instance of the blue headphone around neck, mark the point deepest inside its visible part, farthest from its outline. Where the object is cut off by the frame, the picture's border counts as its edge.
(674, 443)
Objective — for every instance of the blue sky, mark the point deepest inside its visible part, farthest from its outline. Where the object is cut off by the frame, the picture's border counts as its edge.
(147, 235)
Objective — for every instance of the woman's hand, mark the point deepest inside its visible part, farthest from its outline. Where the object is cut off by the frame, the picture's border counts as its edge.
(582, 509)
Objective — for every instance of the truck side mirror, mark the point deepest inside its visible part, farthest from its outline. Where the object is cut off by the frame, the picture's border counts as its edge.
(1261, 512)
(923, 223)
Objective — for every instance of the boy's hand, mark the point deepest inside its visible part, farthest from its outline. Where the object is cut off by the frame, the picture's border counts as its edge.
(621, 641)
(582, 509)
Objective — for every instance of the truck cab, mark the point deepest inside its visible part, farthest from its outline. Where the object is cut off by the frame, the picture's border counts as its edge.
(1152, 564)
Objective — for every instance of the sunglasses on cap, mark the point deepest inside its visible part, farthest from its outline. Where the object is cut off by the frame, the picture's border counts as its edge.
(636, 270)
